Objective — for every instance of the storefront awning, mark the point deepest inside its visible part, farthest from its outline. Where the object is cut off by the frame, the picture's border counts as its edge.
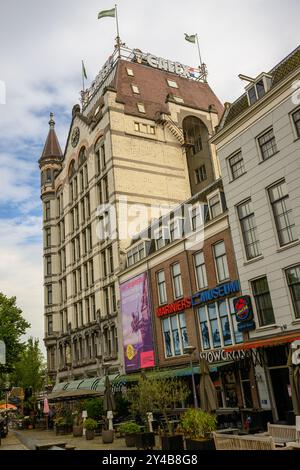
(265, 342)
(80, 388)
(161, 374)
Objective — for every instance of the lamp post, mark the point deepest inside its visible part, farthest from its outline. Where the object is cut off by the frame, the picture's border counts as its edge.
(189, 350)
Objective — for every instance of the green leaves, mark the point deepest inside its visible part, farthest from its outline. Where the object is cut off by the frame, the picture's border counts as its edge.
(197, 424)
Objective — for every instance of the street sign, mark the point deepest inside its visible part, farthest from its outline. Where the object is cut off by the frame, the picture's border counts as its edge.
(2, 353)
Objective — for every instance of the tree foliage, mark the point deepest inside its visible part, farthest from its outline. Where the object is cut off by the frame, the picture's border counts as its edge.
(12, 327)
(30, 370)
(152, 394)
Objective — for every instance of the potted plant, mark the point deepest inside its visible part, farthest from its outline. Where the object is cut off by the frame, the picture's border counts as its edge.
(197, 426)
(60, 425)
(107, 434)
(162, 395)
(77, 425)
(129, 430)
(90, 425)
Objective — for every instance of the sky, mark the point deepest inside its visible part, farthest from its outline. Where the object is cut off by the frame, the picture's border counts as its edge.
(42, 44)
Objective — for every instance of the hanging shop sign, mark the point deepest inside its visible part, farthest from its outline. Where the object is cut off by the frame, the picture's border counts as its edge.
(215, 293)
(244, 313)
(175, 307)
(165, 64)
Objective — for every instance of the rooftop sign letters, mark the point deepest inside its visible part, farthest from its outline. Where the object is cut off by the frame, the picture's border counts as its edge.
(175, 307)
(165, 64)
(215, 293)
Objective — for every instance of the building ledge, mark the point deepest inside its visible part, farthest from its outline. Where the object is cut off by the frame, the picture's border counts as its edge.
(290, 245)
(253, 260)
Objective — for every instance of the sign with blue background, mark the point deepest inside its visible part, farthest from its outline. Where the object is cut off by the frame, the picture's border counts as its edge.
(215, 293)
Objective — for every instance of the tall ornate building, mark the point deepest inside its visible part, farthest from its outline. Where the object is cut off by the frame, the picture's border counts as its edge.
(140, 138)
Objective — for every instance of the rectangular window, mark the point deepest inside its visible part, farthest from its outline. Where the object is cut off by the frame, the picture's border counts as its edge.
(93, 308)
(130, 72)
(196, 219)
(263, 301)
(105, 189)
(218, 326)
(141, 108)
(86, 176)
(177, 281)
(282, 212)
(172, 84)
(215, 205)
(144, 128)
(103, 157)
(221, 261)
(267, 144)
(74, 283)
(135, 89)
(106, 300)
(161, 288)
(236, 164)
(48, 237)
(49, 297)
(111, 260)
(200, 174)
(176, 229)
(113, 298)
(47, 210)
(48, 265)
(162, 237)
(88, 205)
(98, 162)
(249, 230)
(175, 335)
(200, 270)
(87, 310)
(296, 119)
(50, 324)
(293, 278)
(86, 276)
(91, 272)
(103, 262)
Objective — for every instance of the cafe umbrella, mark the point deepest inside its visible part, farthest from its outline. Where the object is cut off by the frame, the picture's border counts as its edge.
(294, 376)
(208, 396)
(109, 402)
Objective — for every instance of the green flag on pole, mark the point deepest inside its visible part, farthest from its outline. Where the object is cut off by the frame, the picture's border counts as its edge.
(190, 38)
(84, 71)
(104, 13)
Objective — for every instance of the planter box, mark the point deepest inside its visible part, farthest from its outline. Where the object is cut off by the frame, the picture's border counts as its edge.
(130, 440)
(89, 434)
(172, 442)
(64, 429)
(78, 431)
(145, 440)
(206, 444)
(107, 436)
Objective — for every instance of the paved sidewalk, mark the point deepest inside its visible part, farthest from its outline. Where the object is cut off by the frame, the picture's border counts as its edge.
(11, 442)
(27, 439)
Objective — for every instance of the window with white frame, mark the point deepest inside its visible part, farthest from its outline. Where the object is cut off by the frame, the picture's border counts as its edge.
(282, 212)
(215, 205)
(172, 84)
(175, 335)
(267, 144)
(141, 108)
(293, 279)
(236, 163)
(296, 120)
(256, 91)
(200, 270)
(200, 174)
(196, 217)
(49, 295)
(135, 89)
(177, 281)
(249, 229)
(221, 261)
(176, 229)
(136, 254)
(162, 237)
(263, 301)
(218, 325)
(161, 287)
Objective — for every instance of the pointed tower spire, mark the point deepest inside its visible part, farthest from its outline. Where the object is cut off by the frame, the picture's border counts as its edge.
(52, 149)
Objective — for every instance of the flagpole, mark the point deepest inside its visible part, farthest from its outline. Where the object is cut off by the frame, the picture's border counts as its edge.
(82, 71)
(118, 32)
(199, 50)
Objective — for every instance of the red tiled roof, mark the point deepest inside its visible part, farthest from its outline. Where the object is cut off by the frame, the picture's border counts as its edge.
(154, 89)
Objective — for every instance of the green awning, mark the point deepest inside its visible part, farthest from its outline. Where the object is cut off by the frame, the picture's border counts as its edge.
(159, 374)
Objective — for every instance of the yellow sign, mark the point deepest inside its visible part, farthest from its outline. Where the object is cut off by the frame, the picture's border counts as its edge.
(130, 352)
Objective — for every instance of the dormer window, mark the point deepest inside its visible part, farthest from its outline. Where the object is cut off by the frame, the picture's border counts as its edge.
(130, 72)
(141, 108)
(162, 237)
(216, 204)
(258, 87)
(137, 253)
(135, 89)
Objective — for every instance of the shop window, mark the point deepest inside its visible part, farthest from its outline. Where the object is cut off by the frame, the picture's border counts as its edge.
(175, 335)
(218, 327)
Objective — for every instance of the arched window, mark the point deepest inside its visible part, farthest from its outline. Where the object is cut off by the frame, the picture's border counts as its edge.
(82, 156)
(71, 170)
(193, 128)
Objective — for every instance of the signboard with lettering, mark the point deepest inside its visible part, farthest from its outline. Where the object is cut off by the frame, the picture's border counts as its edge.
(244, 313)
(220, 355)
(177, 306)
(215, 293)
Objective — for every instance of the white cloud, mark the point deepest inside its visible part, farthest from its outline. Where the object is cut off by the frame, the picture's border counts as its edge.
(42, 45)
